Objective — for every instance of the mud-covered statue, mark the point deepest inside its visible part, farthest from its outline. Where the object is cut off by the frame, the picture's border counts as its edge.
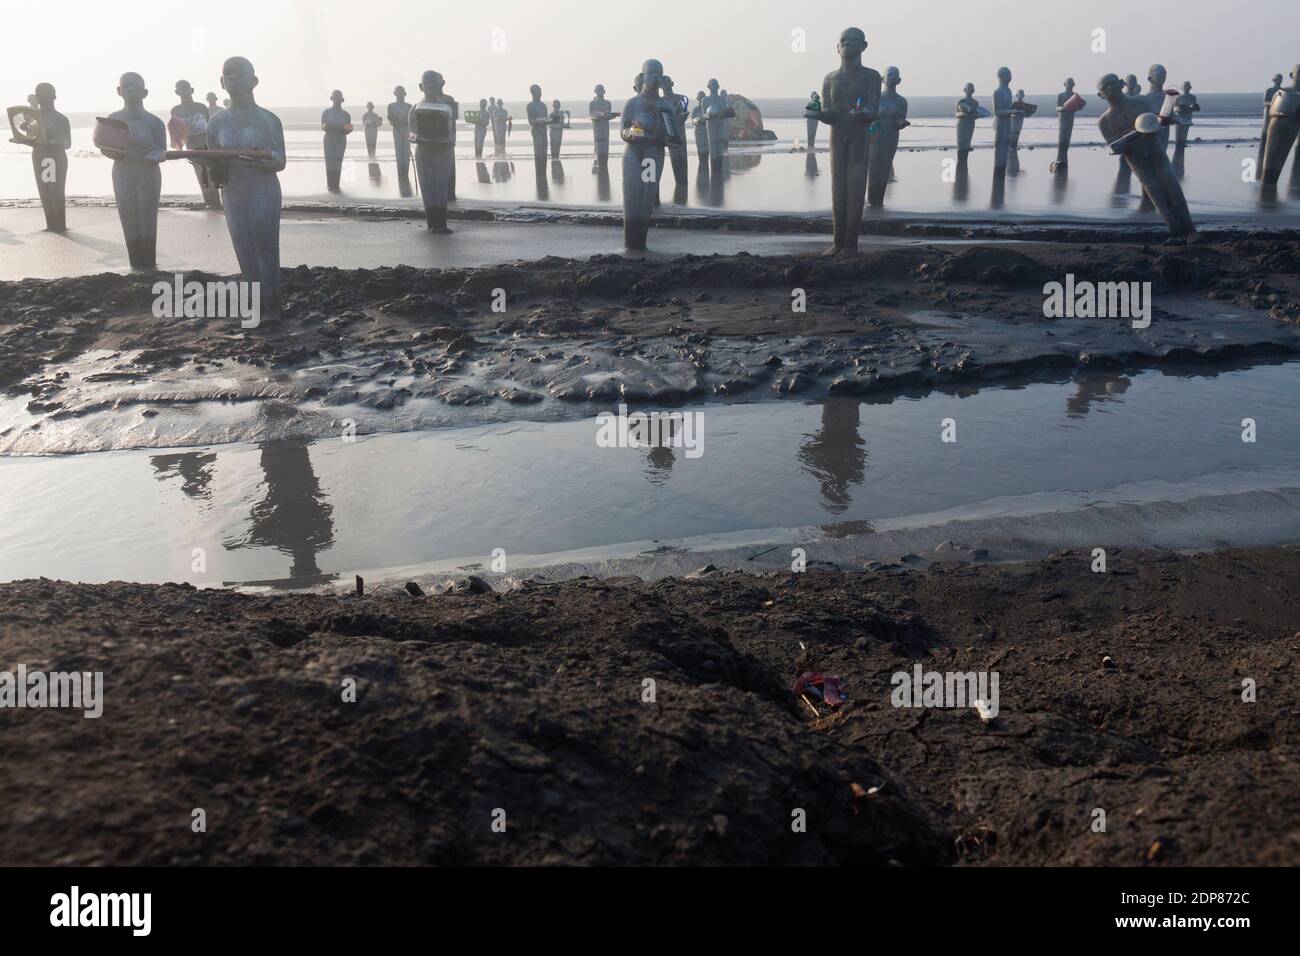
(433, 130)
(252, 186)
(1185, 108)
(370, 123)
(883, 141)
(1002, 113)
(810, 118)
(850, 103)
(676, 116)
(715, 121)
(337, 124)
(399, 116)
(701, 129)
(50, 145)
(188, 129)
(137, 178)
(645, 138)
(557, 118)
(1283, 127)
(601, 112)
(1068, 103)
(1137, 142)
(1263, 131)
(968, 111)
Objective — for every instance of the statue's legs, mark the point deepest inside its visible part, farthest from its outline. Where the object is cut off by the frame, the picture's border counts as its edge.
(1160, 185)
(253, 219)
(480, 137)
(433, 165)
(717, 139)
(849, 169)
(812, 125)
(965, 133)
(680, 170)
(1001, 145)
(702, 143)
(1064, 133)
(1263, 143)
(1281, 138)
(557, 137)
(1180, 137)
(402, 147)
(882, 149)
(638, 196)
(51, 184)
(499, 138)
(136, 187)
(335, 145)
(601, 133)
(372, 141)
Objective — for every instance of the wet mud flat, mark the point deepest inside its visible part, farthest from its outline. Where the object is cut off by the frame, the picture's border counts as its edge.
(1119, 691)
(86, 365)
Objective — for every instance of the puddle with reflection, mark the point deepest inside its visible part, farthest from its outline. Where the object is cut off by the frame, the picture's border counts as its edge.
(299, 512)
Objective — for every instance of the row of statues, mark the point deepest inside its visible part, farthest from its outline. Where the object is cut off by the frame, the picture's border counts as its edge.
(238, 149)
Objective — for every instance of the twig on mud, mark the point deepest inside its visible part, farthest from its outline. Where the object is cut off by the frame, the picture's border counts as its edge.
(753, 557)
(816, 712)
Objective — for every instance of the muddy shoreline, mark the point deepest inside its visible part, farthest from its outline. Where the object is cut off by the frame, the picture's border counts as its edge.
(87, 367)
(1118, 691)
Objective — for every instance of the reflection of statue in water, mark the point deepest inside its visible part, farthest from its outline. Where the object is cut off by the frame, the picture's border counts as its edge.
(836, 456)
(294, 517)
(1094, 388)
(371, 121)
(252, 186)
(188, 129)
(884, 141)
(193, 468)
(137, 179)
(850, 103)
(399, 115)
(1263, 132)
(433, 128)
(645, 137)
(1140, 149)
(337, 124)
(50, 159)
(660, 461)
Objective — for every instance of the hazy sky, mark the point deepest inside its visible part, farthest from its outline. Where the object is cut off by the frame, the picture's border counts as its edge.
(304, 48)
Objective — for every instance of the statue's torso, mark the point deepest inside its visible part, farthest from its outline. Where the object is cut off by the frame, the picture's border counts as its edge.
(398, 113)
(893, 108)
(842, 88)
(253, 128)
(146, 132)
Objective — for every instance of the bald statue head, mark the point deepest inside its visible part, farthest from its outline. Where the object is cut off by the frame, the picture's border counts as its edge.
(969, 89)
(893, 77)
(183, 88)
(45, 95)
(1187, 86)
(337, 97)
(237, 77)
(1004, 75)
(652, 76)
(431, 83)
(1069, 83)
(1157, 74)
(852, 44)
(713, 87)
(535, 92)
(399, 92)
(1110, 87)
(600, 89)
(130, 86)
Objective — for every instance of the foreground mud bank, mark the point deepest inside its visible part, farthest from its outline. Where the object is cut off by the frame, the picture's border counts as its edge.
(87, 366)
(1119, 692)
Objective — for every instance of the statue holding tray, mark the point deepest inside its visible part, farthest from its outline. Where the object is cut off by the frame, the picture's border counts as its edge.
(136, 141)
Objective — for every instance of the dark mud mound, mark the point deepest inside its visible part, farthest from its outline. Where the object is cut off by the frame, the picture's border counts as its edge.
(531, 705)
